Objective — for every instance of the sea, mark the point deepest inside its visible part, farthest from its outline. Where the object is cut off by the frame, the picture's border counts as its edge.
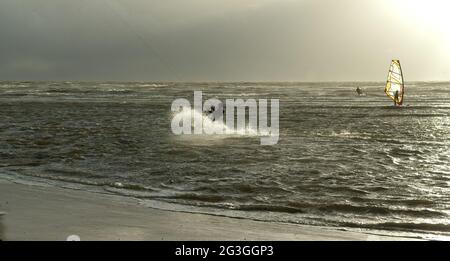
(342, 160)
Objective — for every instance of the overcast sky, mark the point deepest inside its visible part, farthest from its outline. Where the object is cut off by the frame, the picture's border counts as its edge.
(223, 40)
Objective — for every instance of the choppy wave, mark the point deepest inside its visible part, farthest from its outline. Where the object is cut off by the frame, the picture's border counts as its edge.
(214, 126)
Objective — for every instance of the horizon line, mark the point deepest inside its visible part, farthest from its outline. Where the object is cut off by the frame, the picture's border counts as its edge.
(219, 81)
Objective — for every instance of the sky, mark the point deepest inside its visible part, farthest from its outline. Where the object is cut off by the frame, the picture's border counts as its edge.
(223, 40)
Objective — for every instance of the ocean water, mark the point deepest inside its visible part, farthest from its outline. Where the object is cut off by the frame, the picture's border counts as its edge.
(342, 160)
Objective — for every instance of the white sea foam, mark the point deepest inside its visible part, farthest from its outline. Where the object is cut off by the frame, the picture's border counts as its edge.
(215, 126)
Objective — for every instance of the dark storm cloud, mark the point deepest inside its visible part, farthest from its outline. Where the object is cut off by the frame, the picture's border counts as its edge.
(195, 40)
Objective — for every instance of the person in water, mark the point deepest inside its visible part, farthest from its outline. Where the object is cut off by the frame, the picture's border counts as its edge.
(215, 112)
(212, 109)
(396, 98)
(359, 91)
(210, 113)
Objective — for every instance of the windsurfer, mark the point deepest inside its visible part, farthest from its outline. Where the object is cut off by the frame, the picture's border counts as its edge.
(396, 101)
(395, 85)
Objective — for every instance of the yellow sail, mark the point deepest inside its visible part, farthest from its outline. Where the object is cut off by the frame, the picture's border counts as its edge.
(395, 87)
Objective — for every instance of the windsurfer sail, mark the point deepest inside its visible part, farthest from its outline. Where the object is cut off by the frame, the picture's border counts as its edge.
(395, 87)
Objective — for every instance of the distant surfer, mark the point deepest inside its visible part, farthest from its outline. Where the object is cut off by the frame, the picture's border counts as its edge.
(210, 112)
(214, 112)
(359, 91)
(396, 99)
(212, 109)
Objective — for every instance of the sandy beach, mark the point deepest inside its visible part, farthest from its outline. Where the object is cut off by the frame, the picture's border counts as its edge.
(49, 213)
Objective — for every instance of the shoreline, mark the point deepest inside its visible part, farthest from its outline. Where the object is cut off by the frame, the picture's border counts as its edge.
(50, 213)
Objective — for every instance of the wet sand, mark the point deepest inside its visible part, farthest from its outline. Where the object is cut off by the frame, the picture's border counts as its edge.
(49, 213)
